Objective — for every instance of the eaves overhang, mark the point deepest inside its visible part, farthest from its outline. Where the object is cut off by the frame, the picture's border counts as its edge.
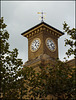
(39, 27)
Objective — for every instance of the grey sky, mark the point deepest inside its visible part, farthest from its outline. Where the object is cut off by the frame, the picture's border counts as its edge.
(22, 15)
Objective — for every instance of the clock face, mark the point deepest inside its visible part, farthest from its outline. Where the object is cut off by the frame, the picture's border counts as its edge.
(35, 44)
(50, 44)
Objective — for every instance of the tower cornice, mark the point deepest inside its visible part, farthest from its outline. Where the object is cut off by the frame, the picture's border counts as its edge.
(42, 27)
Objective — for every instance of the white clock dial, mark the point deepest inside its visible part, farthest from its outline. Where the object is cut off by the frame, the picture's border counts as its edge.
(35, 44)
(50, 44)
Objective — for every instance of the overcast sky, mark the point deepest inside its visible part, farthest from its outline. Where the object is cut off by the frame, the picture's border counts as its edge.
(22, 15)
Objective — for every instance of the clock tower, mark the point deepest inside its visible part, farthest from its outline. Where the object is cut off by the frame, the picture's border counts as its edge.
(42, 43)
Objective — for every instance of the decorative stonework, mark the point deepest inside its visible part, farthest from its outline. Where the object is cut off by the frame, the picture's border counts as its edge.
(39, 29)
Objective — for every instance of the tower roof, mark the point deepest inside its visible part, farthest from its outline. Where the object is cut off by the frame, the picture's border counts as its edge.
(42, 24)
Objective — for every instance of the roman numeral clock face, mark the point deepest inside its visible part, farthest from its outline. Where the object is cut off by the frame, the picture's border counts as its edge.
(35, 44)
(50, 44)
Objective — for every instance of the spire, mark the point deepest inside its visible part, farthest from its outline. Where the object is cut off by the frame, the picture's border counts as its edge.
(42, 16)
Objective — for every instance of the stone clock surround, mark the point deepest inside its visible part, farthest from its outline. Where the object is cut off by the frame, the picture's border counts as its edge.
(52, 42)
(43, 35)
(36, 43)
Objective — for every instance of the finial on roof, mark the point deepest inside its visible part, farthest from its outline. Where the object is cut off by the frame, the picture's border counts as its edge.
(42, 16)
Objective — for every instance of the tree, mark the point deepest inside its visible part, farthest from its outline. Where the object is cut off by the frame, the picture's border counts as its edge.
(56, 80)
(10, 66)
(71, 42)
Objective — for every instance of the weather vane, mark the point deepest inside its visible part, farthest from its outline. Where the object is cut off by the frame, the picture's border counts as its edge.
(42, 16)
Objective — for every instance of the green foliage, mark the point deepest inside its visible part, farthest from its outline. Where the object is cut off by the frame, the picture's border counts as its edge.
(10, 66)
(71, 42)
(56, 80)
